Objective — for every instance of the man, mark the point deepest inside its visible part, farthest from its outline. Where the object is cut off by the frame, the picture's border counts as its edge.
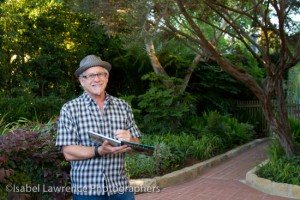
(97, 172)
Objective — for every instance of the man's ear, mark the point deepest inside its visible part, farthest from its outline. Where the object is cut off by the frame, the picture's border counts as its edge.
(81, 83)
(80, 80)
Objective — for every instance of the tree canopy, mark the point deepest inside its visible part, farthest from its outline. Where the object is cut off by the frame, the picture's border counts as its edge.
(42, 43)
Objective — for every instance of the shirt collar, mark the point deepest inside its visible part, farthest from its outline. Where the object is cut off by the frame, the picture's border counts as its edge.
(108, 98)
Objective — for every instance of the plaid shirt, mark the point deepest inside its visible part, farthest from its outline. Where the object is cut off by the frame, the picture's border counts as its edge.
(96, 175)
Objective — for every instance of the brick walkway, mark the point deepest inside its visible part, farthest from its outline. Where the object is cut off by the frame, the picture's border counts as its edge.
(222, 182)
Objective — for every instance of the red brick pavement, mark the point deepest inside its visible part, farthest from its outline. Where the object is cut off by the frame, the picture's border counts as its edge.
(225, 181)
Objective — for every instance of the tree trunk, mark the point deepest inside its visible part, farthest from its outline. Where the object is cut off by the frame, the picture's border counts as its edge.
(276, 112)
(286, 140)
(158, 69)
(281, 127)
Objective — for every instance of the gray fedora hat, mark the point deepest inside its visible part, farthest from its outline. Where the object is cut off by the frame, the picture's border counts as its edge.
(91, 61)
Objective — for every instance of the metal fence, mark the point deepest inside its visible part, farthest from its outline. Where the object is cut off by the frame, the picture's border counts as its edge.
(252, 112)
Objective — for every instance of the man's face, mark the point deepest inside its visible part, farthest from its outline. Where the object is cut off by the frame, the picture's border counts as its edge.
(94, 81)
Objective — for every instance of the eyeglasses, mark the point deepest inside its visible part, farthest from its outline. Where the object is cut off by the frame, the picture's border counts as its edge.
(101, 75)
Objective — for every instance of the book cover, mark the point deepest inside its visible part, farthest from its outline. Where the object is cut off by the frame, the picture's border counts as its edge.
(139, 148)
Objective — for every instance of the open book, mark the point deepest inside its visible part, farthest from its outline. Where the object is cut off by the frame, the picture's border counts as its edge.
(139, 148)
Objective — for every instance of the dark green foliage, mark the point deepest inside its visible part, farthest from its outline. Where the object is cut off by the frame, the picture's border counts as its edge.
(244, 60)
(32, 108)
(128, 68)
(295, 127)
(163, 106)
(215, 89)
(42, 45)
(240, 132)
(174, 56)
(254, 117)
(31, 158)
(231, 131)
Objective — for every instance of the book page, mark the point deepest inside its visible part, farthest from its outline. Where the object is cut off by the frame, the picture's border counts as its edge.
(99, 138)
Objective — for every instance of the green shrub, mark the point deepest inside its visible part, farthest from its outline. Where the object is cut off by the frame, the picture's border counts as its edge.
(226, 128)
(174, 151)
(179, 145)
(164, 108)
(142, 166)
(165, 159)
(32, 108)
(206, 147)
(192, 124)
(282, 170)
(239, 133)
(213, 124)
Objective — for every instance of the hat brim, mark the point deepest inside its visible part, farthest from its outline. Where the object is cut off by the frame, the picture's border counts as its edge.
(103, 64)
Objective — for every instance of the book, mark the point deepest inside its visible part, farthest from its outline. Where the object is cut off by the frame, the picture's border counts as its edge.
(138, 148)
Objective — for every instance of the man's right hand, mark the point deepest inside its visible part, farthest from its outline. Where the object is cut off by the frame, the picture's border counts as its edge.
(106, 148)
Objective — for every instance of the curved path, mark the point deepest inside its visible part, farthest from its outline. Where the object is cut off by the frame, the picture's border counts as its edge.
(225, 181)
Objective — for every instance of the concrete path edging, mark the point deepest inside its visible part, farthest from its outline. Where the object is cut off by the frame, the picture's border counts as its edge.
(179, 176)
(270, 187)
